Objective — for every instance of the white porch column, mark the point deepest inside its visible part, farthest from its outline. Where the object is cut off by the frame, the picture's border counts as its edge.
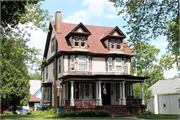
(123, 99)
(97, 101)
(142, 94)
(72, 94)
(100, 99)
(64, 94)
(120, 94)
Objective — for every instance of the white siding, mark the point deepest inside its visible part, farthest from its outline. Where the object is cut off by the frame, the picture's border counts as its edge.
(49, 54)
(150, 105)
(98, 64)
(106, 43)
(115, 33)
(128, 66)
(80, 30)
(61, 73)
(65, 63)
(52, 95)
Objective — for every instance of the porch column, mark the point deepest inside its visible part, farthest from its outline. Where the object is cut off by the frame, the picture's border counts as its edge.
(72, 92)
(131, 90)
(142, 94)
(123, 99)
(97, 101)
(120, 93)
(100, 99)
(64, 94)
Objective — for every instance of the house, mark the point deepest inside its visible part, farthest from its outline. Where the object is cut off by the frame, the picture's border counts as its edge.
(35, 91)
(165, 97)
(89, 67)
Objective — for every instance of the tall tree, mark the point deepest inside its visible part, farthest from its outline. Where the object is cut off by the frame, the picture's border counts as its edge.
(35, 76)
(16, 55)
(147, 64)
(148, 19)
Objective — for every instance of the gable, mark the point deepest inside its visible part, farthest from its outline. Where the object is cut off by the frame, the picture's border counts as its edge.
(80, 30)
(49, 53)
(115, 33)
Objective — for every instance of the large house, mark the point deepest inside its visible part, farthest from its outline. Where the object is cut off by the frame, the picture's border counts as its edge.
(89, 67)
(165, 97)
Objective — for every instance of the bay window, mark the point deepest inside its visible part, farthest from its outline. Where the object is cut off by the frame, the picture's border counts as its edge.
(89, 60)
(125, 65)
(48, 92)
(118, 64)
(110, 64)
(72, 62)
(47, 72)
(59, 65)
(82, 62)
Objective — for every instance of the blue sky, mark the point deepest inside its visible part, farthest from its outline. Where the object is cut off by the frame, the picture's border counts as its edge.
(90, 12)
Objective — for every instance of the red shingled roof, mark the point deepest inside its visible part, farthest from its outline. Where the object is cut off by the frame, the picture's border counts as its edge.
(34, 98)
(95, 45)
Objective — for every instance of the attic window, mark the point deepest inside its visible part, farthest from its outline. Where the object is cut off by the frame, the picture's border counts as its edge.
(53, 44)
(76, 43)
(83, 41)
(112, 43)
(118, 43)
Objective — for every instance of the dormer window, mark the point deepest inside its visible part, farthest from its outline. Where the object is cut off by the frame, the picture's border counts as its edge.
(112, 43)
(83, 41)
(53, 44)
(76, 43)
(118, 41)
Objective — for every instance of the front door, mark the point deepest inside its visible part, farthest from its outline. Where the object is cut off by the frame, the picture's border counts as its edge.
(106, 98)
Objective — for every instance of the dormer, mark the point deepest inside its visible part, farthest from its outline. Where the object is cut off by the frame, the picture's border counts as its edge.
(113, 39)
(78, 37)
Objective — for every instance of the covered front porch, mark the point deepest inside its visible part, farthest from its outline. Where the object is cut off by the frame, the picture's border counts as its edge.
(88, 91)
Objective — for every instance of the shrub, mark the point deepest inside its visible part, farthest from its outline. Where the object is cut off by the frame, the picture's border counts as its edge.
(91, 113)
(31, 112)
(8, 113)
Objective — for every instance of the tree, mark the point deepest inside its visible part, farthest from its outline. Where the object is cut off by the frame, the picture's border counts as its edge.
(16, 55)
(147, 64)
(35, 76)
(148, 19)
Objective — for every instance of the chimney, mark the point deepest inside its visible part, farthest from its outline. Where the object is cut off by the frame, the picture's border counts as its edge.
(58, 24)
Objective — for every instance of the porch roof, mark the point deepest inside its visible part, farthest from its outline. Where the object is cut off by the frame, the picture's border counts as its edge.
(98, 77)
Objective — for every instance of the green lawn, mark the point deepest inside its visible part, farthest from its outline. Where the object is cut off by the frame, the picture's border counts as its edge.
(6, 117)
(157, 116)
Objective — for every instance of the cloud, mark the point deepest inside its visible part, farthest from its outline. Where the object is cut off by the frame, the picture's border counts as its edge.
(112, 16)
(95, 9)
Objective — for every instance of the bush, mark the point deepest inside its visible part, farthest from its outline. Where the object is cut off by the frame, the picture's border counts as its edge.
(91, 113)
(8, 113)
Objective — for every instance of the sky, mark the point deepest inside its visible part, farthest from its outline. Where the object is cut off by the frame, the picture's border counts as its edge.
(89, 12)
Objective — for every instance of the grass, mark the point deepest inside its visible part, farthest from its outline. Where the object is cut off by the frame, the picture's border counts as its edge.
(157, 116)
(7, 117)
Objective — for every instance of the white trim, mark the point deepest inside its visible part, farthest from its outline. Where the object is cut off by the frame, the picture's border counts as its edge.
(89, 63)
(81, 61)
(110, 59)
(118, 64)
(72, 62)
(178, 103)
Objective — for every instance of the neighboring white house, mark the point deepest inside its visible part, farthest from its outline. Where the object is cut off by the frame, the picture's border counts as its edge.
(35, 91)
(165, 97)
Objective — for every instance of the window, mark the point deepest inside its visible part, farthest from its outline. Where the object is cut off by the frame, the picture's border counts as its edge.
(109, 64)
(118, 41)
(118, 64)
(112, 43)
(125, 65)
(84, 91)
(72, 62)
(117, 92)
(47, 72)
(82, 62)
(53, 68)
(48, 94)
(76, 43)
(179, 103)
(83, 41)
(53, 44)
(164, 103)
(89, 59)
(59, 65)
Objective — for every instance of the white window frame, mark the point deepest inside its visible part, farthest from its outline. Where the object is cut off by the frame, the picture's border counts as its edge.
(116, 64)
(125, 66)
(163, 102)
(89, 60)
(84, 91)
(59, 65)
(72, 63)
(48, 94)
(82, 37)
(118, 44)
(178, 101)
(110, 59)
(76, 41)
(46, 72)
(113, 43)
(81, 61)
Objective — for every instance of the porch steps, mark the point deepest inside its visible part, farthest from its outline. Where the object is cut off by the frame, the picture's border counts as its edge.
(117, 110)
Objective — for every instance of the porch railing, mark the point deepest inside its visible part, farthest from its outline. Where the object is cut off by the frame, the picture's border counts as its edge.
(133, 101)
(81, 102)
